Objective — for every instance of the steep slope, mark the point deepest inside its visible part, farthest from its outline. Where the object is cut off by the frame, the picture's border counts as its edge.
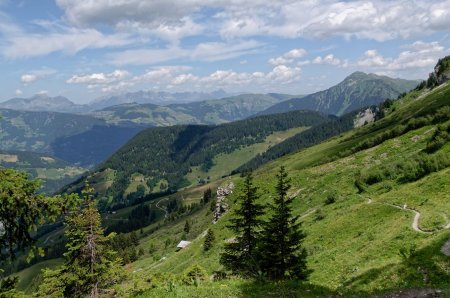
(162, 157)
(355, 91)
(375, 216)
(43, 102)
(54, 172)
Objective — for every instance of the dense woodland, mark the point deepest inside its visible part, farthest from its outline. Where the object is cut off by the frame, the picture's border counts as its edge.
(169, 152)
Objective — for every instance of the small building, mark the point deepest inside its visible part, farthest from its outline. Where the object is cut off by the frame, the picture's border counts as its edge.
(183, 244)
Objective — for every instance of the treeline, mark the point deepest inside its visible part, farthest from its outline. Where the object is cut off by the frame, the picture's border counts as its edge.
(169, 152)
(141, 216)
(316, 134)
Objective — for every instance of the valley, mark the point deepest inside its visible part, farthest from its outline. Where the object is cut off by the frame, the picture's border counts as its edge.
(372, 199)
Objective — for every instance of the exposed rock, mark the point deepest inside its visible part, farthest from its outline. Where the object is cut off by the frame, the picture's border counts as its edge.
(369, 115)
(221, 205)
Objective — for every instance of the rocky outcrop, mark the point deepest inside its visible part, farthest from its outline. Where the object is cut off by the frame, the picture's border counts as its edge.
(221, 205)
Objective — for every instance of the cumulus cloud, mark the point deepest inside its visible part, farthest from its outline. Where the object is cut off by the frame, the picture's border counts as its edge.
(419, 55)
(18, 92)
(28, 78)
(329, 59)
(289, 57)
(179, 77)
(99, 78)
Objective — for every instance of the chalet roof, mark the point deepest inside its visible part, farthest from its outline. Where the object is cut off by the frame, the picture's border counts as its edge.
(183, 244)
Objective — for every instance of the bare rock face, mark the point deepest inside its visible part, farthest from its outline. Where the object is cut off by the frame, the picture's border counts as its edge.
(221, 205)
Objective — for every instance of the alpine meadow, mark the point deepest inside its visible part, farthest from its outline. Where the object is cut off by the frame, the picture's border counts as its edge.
(225, 149)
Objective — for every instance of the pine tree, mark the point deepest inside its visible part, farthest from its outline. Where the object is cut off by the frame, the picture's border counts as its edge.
(187, 227)
(209, 240)
(90, 264)
(281, 251)
(239, 255)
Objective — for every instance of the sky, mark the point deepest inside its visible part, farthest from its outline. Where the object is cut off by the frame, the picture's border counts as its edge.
(85, 49)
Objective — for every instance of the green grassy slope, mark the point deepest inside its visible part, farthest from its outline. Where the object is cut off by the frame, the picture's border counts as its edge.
(354, 244)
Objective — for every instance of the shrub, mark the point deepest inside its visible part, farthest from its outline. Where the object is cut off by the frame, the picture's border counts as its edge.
(194, 275)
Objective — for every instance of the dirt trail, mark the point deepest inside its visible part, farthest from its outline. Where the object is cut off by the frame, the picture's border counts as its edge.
(162, 208)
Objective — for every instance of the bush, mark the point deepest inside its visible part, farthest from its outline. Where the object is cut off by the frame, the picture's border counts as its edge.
(194, 275)
(331, 198)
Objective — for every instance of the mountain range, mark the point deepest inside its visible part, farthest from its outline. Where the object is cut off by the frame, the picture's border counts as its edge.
(355, 91)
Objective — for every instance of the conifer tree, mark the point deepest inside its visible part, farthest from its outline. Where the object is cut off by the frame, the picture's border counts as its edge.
(187, 227)
(239, 255)
(209, 240)
(281, 251)
(90, 263)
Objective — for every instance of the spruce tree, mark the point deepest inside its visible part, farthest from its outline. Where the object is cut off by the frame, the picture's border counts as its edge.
(239, 255)
(90, 263)
(187, 227)
(281, 251)
(209, 240)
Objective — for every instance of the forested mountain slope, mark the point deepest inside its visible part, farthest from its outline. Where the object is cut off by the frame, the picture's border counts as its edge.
(163, 156)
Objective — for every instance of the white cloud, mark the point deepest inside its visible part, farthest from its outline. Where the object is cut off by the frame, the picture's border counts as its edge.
(28, 78)
(99, 78)
(17, 43)
(209, 51)
(18, 92)
(289, 57)
(329, 59)
(179, 78)
(420, 55)
(37, 74)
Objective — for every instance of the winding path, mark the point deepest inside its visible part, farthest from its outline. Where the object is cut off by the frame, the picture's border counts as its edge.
(445, 249)
(162, 208)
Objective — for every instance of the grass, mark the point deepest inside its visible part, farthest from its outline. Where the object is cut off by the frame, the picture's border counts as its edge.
(224, 164)
(356, 247)
(27, 275)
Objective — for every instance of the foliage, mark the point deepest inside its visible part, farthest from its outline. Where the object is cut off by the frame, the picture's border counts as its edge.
(187, 227)
(168, 153)
(90, 262)
(22, 210)
(240, 254)
(310, 137)
(281, 249)
(194, 275)
(209, 240)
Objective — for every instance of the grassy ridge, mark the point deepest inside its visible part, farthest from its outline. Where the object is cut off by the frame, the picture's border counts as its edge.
(355, 245)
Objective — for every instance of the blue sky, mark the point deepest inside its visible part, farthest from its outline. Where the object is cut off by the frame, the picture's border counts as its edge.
(84, 49)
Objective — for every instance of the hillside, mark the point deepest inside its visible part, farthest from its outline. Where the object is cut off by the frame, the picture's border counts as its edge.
(165, 158)
(78, 139)
(356, 91)
(373, 202)
(44, 103)
(54, 172)
(155, 98)
(35, 131)
(213, 111)
(376, 215)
